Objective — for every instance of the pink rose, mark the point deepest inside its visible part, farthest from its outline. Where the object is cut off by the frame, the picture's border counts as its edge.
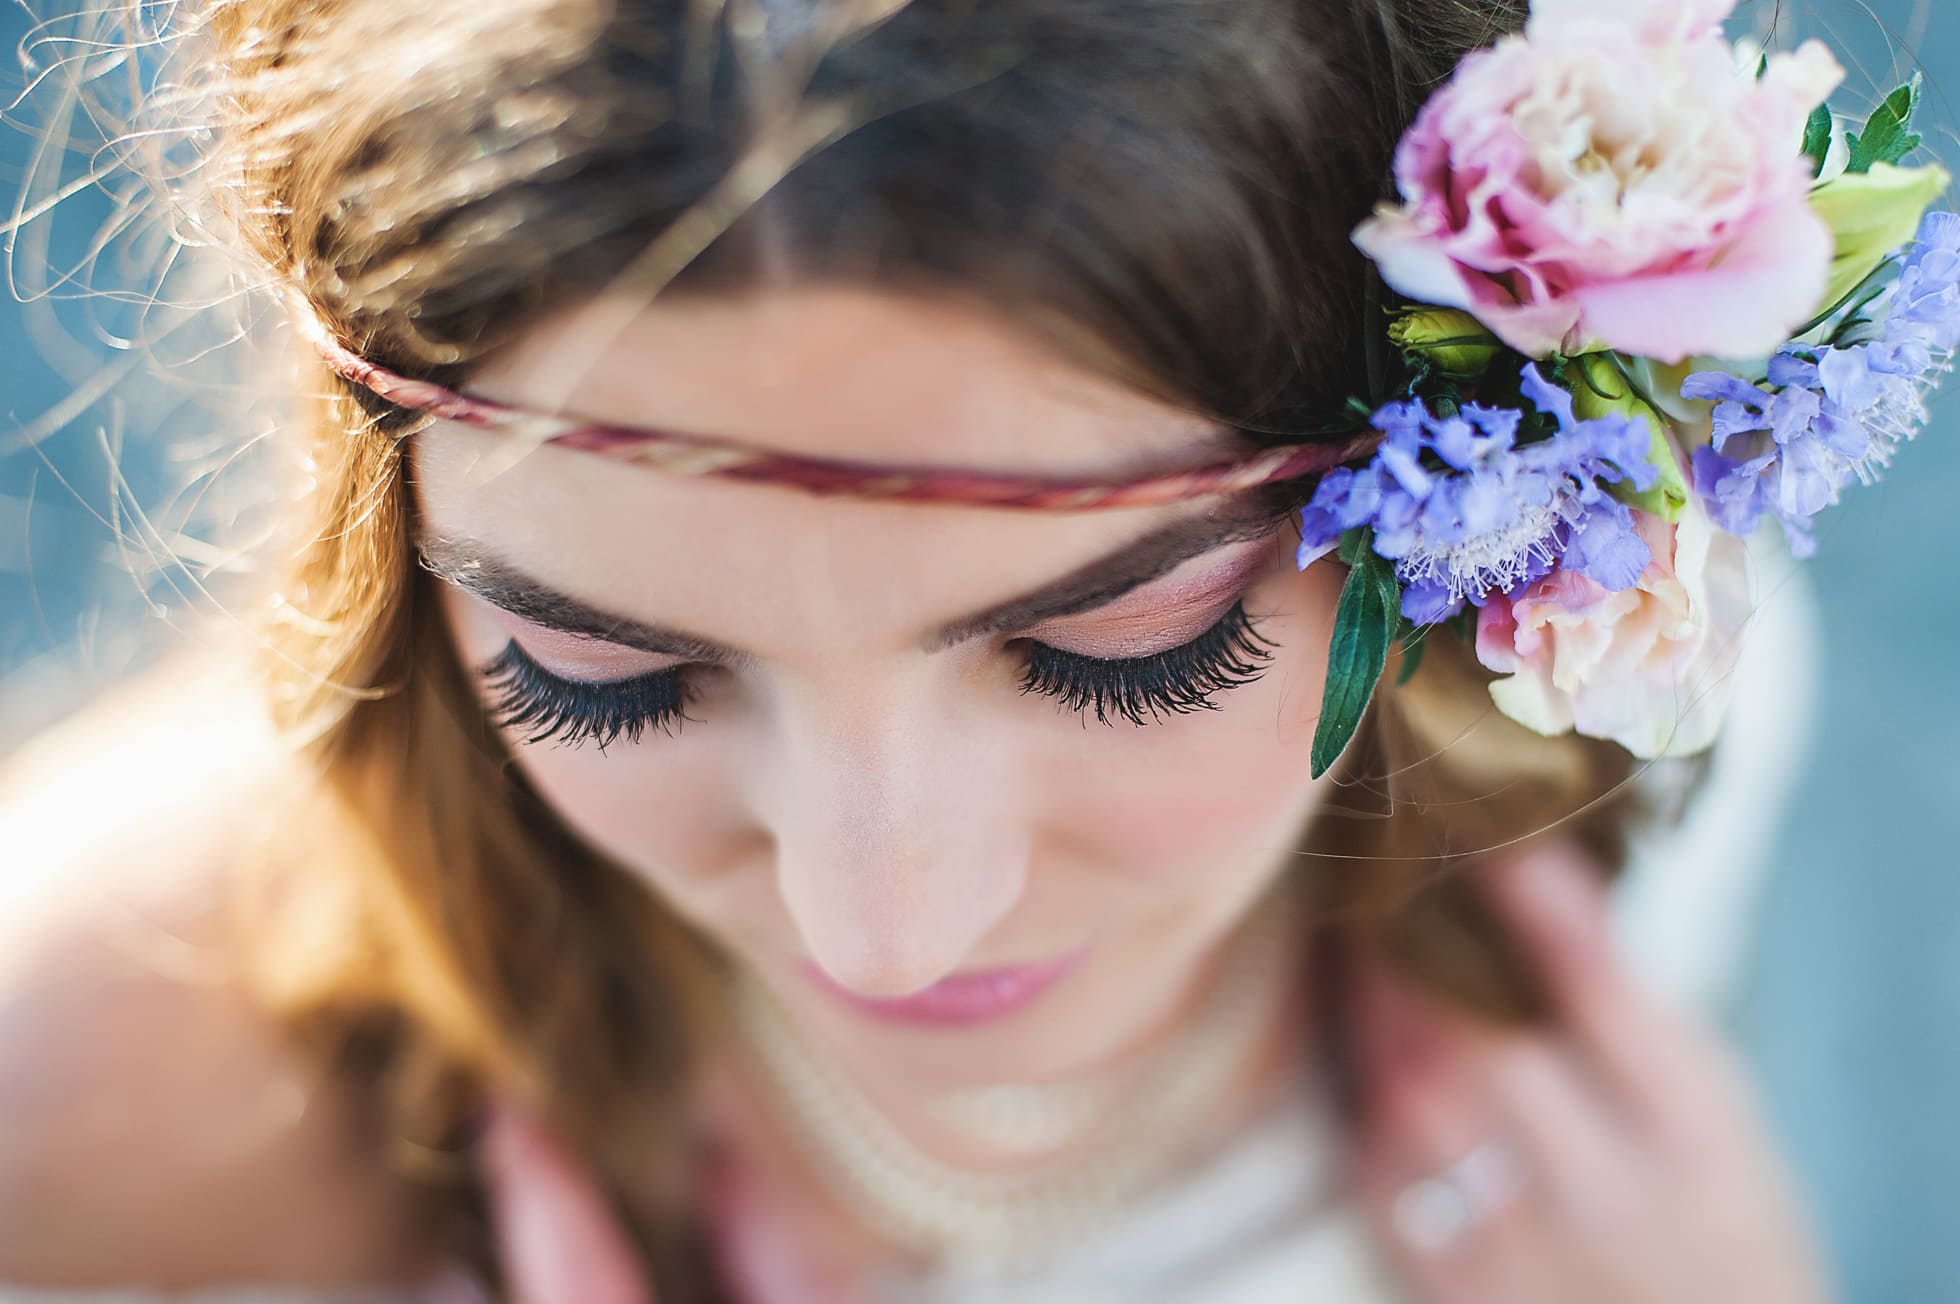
(1648, 668)
(1614, 178)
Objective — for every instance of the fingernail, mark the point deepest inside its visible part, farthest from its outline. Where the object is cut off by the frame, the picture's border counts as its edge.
(456, 1284)
(475, 1125)
(496, 1132)
(1559, 888)
(1396, 1028)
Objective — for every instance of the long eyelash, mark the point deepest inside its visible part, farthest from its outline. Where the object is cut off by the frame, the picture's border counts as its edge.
(527, 696)
(1140, 689)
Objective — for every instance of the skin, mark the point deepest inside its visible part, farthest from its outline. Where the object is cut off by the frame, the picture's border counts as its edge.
(856, 790)
(850, 794)
(1649, 1176)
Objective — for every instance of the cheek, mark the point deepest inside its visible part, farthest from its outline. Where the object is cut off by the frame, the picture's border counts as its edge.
(674, 820)
(1207, 793)
(1185, 827)
(641, 808)
(1172, 812)
(660, 807)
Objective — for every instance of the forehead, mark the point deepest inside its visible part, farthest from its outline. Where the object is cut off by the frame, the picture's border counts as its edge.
(848, 373)
(835, 374)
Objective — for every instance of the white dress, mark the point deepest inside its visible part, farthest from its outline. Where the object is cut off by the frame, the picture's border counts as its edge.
(1264, 1220)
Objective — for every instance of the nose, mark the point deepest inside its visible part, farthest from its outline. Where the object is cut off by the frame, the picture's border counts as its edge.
(898, 847)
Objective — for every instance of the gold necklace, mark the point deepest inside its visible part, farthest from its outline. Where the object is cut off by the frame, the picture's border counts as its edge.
(1140, 1126)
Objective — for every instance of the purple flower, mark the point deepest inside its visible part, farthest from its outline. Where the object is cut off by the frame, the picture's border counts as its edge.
(1464, 510)
(1925, 303)
(1605, 547)
(1831, 414)
(1735, 495)
(1797, 450)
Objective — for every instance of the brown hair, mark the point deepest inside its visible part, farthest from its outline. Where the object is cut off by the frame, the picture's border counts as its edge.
(1163, 189)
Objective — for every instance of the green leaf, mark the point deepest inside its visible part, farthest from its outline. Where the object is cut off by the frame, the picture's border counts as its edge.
(1364, 623)
(1817, 138)
(1887, 137)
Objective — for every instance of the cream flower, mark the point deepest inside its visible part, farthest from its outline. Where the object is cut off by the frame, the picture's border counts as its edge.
(1649, 667)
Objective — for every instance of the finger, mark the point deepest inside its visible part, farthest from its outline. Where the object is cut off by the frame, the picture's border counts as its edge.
(1503, 1255)
(1393, 1025)
(761, 1259)
(558, 1242)
(1424, 1112)
(1573, 1140)
(1423, 1106)
(1476, 1146)
(1557, 906)
(1444, 1190)
(455, 1284)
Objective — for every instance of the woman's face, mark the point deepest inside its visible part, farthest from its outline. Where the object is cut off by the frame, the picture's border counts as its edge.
(882, 780)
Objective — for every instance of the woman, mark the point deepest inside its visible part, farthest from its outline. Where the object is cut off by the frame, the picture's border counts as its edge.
(646, 885)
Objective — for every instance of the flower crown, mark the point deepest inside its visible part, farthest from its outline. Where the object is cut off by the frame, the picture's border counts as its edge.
(1651, 296)
(1654, 298)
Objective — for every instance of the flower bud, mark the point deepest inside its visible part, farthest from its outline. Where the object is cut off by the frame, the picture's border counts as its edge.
(1601, 388)
(1453, 343)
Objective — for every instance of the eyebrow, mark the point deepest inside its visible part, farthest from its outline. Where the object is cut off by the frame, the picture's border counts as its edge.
(473, 568)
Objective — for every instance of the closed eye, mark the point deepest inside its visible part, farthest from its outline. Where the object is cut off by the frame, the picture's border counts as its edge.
(525, 696)
(1175, 681)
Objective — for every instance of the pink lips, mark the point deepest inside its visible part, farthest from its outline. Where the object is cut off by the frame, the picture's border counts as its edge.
(960, 998)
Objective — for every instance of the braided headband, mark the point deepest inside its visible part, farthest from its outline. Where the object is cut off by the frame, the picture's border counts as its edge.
(697, 455)
(1631, 343)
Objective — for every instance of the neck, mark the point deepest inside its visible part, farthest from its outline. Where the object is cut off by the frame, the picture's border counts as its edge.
(1256, 1021)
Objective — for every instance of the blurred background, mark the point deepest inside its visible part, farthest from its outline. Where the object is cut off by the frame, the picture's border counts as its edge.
(1849, 1001)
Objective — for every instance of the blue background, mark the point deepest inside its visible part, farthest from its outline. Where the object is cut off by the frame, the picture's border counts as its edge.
(1851, 1006)
(1851, 1013)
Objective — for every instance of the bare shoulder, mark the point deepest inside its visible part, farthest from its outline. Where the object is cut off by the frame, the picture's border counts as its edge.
(157, 1128)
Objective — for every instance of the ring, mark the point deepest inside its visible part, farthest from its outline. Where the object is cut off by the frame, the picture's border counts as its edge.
(1432, 1214)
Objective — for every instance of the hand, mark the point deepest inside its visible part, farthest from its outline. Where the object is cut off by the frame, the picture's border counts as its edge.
(559, 1243)
(1618, 1150)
